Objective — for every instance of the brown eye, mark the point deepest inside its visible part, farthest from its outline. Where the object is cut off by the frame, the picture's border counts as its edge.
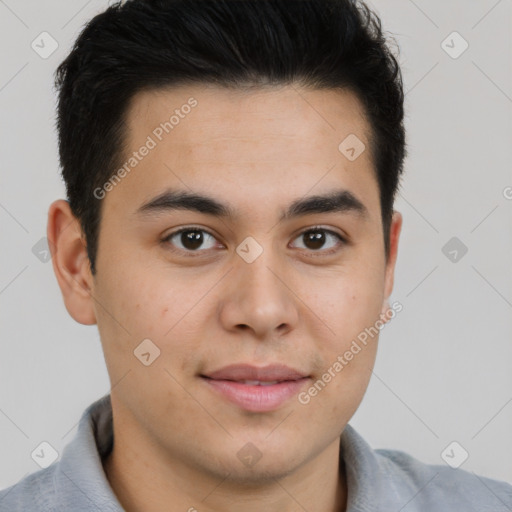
(191, 239)
(314, 239)
(320, 238)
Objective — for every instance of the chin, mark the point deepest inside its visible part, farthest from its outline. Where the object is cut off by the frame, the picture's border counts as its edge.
(259, 475)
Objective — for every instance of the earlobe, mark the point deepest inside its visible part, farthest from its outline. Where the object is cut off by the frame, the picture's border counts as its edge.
(70, 262)
(385, 308)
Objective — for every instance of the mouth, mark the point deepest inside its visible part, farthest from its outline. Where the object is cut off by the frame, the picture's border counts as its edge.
(255, 382)
(256, 389)
(245, 372)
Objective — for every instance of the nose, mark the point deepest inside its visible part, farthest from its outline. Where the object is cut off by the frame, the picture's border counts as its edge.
(258, 298)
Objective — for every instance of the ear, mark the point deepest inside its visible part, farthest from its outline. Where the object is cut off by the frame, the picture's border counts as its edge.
(394, 235)
(70, 262)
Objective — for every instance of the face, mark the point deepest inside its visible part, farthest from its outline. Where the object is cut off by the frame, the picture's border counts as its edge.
(261, 275)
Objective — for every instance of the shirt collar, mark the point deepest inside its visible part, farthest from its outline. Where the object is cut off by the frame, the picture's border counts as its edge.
(80, 481)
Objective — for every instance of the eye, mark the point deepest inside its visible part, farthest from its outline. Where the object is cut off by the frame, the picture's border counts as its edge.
(317, 238)
(191, 239)
(195, 239)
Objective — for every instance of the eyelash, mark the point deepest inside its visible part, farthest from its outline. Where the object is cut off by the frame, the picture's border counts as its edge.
(319, 252)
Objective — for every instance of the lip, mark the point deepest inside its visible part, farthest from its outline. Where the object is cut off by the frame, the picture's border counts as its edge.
(237, 372)
(256, 398)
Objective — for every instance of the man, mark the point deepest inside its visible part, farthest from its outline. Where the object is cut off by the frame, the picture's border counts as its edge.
(231, 169)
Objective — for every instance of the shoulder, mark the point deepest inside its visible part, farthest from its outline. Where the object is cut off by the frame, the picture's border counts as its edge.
(442, 487)
(383, 480)
(76, 481)
(34, 492)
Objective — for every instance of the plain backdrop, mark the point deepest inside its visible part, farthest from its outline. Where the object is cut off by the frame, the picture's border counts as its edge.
(443, 370)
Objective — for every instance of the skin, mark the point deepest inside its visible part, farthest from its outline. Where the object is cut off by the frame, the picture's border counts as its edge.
(176, 440)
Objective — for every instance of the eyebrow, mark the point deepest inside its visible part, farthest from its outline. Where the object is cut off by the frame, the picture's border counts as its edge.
(340, 200)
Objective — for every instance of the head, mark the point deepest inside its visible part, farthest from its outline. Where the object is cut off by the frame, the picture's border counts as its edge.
(230, 119)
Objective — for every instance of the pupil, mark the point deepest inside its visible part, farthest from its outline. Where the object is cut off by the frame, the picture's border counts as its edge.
(316, 239)
(191, 239)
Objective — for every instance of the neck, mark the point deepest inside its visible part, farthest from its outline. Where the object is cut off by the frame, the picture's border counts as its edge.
(156, 482)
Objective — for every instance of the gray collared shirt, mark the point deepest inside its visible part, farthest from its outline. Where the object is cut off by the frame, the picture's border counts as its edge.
(378, 480)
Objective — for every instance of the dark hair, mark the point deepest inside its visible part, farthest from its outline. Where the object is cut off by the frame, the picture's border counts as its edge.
(148, 44)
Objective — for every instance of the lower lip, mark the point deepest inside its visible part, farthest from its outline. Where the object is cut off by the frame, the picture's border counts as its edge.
(257, 398)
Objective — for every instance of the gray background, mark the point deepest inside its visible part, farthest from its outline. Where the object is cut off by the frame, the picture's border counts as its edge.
(443, 370)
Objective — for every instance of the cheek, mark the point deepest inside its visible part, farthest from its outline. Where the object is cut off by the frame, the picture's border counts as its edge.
(146, 307)
(348, 304)
(168, 311)
(348, 354)
(142, 300)
(350, 307)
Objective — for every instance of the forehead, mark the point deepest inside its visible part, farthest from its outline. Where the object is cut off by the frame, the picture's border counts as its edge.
(278, 143)
(257, 113)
